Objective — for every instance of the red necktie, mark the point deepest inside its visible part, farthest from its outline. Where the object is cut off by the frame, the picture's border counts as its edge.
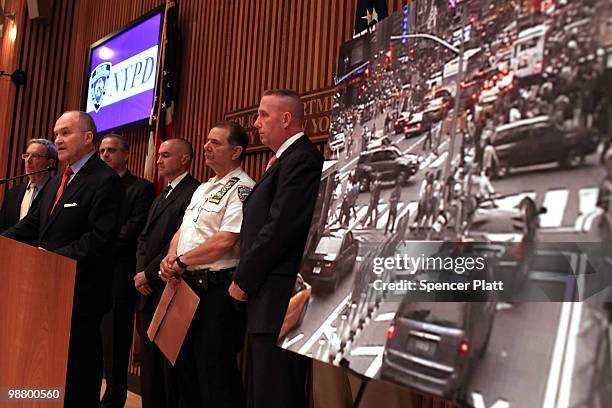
(65, 179)
(272, 160)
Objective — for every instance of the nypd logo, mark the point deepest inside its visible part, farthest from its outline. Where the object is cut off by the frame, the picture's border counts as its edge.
(243, 193)
(98, 83)
(110, 83)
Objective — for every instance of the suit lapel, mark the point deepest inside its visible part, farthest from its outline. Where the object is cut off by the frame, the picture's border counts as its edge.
(274, 168)
(74, 186)
(21, 189)
(161, 204)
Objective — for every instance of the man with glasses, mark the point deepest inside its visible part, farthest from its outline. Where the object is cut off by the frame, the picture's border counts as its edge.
(40, 155)
(204, 251)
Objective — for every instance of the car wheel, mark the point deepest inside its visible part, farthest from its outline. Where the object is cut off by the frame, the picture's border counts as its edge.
(573, 159)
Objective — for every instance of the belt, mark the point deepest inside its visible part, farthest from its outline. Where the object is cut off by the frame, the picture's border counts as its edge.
(203, 279)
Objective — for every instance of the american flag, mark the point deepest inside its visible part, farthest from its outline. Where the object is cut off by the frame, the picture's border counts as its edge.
(160, 122)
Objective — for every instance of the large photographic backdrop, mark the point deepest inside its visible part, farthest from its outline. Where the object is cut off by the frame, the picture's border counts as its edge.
(468, 148)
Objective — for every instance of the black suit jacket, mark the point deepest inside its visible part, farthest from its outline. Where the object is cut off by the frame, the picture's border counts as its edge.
(138, 194)
(11, 206)
(82, 227)
(276, 220)
(163, 221)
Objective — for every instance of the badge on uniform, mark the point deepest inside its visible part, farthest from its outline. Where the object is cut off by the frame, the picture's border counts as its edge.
(243, 192)
(218, 196)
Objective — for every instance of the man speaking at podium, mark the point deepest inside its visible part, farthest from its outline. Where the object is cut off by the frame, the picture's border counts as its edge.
(76, 218)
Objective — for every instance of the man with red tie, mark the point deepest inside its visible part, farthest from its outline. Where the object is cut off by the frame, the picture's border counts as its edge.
(76, 218)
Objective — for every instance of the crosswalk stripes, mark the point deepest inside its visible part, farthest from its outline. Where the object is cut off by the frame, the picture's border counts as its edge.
(441, 159)
(555, 202)
(361, 212)
(382, 220)
(588, 208)
(558, 217)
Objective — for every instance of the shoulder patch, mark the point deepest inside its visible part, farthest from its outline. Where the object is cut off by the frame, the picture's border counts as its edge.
(243, 192)
(216, 198)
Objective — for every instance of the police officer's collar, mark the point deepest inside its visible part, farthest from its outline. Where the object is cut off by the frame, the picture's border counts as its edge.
(229, 175)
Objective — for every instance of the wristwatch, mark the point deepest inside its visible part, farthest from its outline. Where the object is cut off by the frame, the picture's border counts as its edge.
(181, 263)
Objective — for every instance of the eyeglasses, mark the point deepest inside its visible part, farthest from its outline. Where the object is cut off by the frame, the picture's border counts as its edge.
(26, 156)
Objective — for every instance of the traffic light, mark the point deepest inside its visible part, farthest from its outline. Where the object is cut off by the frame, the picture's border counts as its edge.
(389, 56)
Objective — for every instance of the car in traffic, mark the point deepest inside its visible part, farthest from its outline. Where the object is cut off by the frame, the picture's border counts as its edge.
(540, 140)
(333, 258)
(400, 122)
(418, 123)
(435, 347)
(508, 237)
(438, 106)
(387, 162)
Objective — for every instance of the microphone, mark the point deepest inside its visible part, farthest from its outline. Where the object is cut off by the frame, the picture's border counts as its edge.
(6, 180)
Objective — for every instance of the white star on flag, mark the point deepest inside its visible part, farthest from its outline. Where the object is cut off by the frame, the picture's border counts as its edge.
(371, 16)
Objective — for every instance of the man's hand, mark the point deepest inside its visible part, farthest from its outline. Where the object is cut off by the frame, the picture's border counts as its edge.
(166, 265)
(237, 293)
(141, 284)
(169, 269)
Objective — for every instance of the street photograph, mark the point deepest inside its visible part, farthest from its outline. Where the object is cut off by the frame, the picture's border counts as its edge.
(479, 128)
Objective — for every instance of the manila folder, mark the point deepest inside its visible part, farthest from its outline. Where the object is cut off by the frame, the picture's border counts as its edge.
(172, 318)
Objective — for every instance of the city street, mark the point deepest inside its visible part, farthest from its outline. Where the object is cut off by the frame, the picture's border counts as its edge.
(519, 103)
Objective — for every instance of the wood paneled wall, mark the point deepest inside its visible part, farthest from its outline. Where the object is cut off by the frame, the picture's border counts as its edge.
(232, 50)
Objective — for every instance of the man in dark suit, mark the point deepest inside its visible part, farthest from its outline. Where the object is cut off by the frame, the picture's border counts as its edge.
(118, 324)
(164, 219)
(277, 216)
(77, 218)
(40, 154)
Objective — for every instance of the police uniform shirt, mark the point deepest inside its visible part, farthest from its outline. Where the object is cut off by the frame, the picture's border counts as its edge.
(215, 206)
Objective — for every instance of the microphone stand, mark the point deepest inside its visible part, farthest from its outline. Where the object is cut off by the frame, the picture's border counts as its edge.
(6, 180)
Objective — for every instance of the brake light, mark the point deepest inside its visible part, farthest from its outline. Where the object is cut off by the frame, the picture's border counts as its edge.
(464, 347)
(391, 331)
(517, 251)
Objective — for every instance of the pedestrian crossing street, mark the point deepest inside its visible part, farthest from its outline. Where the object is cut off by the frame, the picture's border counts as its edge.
(566, 211)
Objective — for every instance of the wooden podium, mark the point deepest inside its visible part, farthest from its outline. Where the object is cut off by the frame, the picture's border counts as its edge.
(36, 291)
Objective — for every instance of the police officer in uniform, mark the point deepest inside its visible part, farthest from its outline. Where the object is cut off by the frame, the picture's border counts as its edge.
(205, 252)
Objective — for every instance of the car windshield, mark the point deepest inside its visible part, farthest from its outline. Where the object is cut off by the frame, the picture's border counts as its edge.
(447, 314)
(329, 246)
